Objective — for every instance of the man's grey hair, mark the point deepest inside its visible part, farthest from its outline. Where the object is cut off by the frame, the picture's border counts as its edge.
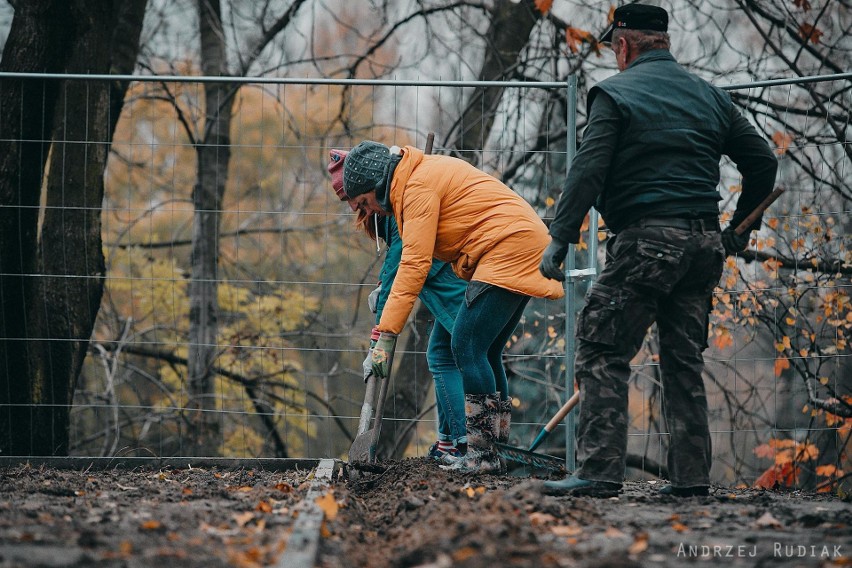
(643, 40)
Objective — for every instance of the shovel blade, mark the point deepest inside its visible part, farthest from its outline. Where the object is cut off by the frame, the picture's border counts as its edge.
(362, 449)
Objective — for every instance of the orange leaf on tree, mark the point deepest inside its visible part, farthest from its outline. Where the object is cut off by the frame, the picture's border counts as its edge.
(575, 36)
(543, 6)
(782, 141)
(809, 32)
(781, 363)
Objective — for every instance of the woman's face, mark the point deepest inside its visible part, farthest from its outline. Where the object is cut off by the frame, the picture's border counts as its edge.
(368, 203)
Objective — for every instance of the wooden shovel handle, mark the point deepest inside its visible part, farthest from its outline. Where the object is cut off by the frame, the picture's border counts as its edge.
(758, 211)
(563, 412)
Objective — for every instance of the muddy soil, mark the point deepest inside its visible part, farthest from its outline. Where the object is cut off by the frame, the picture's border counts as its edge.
(170, 517)
(406, 513)
(415, 514)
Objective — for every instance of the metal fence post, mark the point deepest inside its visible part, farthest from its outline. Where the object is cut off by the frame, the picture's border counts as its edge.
(570, 299)
(572, 276)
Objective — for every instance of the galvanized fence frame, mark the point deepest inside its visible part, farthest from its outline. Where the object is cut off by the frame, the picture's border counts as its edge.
(575, 275)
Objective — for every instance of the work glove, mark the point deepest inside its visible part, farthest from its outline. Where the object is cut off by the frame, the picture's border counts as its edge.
(367, 365)
(373, 298)
(554, 256)
(383, 353)
(733, 242)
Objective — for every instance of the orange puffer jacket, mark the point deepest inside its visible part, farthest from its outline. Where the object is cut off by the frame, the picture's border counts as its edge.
(447, 209)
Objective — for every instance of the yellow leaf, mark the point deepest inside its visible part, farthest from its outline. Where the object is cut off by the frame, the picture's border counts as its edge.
(549, 202)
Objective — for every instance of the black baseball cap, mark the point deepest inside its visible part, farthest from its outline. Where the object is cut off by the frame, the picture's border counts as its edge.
(637, 17)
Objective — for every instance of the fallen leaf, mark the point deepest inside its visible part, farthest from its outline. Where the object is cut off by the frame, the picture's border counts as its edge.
(263, 507)
(680, 527)
(464, 553)
(567, 530)
(640, 543)
(151, 525)
(243, 518)
(541, 518)
(328, 505)
(766, 520)
(612, 532)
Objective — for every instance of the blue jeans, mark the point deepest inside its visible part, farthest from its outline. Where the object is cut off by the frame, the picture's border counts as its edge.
(449, 389)
(484, 324)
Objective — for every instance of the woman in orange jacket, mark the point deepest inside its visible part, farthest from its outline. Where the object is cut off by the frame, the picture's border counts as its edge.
(447, 209)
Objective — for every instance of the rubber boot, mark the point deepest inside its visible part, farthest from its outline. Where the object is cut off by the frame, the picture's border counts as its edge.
(505, 420)
(482, 413)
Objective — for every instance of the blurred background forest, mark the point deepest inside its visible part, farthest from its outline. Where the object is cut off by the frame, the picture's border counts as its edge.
(178, 278)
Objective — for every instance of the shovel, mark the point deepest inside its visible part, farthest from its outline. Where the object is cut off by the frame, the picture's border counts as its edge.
(363, 448)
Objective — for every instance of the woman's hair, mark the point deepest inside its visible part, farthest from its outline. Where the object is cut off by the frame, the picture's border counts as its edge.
(367, 223)
(643, 40)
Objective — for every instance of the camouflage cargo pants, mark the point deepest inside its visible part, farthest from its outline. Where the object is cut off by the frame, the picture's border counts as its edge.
(660, 274)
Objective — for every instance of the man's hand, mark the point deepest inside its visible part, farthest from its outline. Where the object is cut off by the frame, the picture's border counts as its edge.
(733, 242)
(383, 353)
(554, 256)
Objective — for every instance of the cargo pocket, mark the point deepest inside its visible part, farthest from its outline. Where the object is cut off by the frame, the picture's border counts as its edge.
(600, 318)
(656, 266)
(474, 290)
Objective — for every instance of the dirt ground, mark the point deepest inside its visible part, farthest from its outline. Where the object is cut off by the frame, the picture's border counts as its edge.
(403, 514)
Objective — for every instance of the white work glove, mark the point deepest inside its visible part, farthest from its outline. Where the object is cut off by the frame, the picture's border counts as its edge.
(373, 298)
(367, 365)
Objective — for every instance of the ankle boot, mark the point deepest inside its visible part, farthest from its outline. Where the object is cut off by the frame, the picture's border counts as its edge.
(482, 419)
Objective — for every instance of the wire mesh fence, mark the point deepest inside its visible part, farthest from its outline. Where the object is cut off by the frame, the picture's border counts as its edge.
(233, 317)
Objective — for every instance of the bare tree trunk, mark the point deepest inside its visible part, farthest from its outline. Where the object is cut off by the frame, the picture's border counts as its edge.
(35, 44)
(213, 153)
(51, 294)
(508, 34)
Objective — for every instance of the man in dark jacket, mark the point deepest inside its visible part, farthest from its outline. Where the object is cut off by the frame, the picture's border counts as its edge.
(649, 162)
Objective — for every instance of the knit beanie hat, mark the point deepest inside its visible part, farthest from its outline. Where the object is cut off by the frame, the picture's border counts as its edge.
(365, 168)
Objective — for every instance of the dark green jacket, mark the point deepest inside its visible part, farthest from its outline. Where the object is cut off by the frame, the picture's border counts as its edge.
(652, 148)
(443, 291)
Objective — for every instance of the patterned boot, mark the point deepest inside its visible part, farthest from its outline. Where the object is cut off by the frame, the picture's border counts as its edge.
(483, 425)
(505, 418)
